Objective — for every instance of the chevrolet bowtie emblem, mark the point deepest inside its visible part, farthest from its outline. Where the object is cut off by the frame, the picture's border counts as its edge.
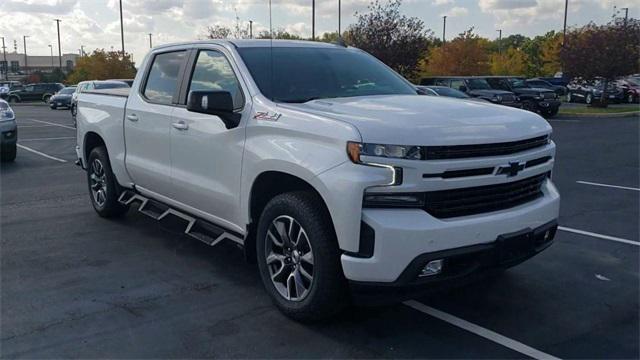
(512, 169)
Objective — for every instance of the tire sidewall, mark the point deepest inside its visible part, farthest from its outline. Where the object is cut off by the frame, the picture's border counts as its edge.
(111, 206)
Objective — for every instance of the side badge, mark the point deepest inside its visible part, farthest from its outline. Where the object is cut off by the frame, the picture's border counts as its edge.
(268, 116)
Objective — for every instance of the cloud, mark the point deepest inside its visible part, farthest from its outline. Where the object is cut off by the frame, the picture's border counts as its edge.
(442, 2)
(456, 11)
(53, 7)
(491, 5)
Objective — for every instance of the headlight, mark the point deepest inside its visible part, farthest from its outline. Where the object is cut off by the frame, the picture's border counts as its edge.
(355, 150)
(7, 115)
(498, 98)
(4, 90)
(385, 200)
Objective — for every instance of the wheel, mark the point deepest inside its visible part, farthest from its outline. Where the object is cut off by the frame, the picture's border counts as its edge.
(103, 187)
(588, 99)
(569, 98)
(13, 99)
(46, 98)
(630, 98)
(53, 106)
(299, 259)
(551, 112)
(9, 153)
(529, 106)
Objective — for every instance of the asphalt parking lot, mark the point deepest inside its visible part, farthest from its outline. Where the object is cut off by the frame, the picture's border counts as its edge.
(76, 285)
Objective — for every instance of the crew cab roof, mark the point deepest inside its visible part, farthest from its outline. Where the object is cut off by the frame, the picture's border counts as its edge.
(257, 43)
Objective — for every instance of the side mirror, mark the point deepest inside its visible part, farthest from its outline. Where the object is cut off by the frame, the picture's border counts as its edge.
(219, 103)
(462, 88)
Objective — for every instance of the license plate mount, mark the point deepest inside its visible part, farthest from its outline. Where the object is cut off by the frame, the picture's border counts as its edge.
(515, 247)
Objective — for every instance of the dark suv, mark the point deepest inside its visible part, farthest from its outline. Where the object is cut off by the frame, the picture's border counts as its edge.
(34, 92)
(476, 87)
(540, 100)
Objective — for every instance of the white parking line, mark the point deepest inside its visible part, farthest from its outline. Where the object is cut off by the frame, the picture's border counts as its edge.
(480, 331)
(606, 185)
(54, 124)
(34, 126)
(41, 154)
(600, 236)
(51, 138)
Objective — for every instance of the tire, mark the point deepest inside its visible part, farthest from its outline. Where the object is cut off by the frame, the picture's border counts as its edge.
(630, 99)
(46, 98)
(13, 99)
(550, 113)
(103, 187)
(588, 99)
(325, 294)
(53, 107)
(9, 153)
(529, 106)
(569, 98)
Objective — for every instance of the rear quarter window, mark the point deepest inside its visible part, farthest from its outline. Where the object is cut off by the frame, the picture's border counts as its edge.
(162, 80)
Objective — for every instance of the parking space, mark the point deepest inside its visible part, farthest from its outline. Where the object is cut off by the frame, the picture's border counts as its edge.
(76, 285)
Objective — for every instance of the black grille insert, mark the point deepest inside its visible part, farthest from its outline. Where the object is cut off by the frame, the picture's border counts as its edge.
(483, 199)
(496, 149)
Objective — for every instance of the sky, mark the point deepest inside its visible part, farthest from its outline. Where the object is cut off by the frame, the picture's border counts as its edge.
(96, 23)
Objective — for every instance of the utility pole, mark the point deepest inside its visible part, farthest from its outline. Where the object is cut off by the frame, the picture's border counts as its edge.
(564, 32)
(444, 29)
(6, 64)
(250, 29)
(81, 50)
(313, 20)
(59, 46)
(121, 29)
(26, 64)
(499, 41)
(339, 18)
(51, 51)
(626, 15)
(150, 41)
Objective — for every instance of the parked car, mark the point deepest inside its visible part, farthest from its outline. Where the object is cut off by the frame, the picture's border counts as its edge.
(324, 165)
(476, 87)
(91, 85)
(591, 92)
(542, 101)
(6, 86)
(558, 80)
(126, 81)
(446, 92)
(630, 87)
(62, 98)
(8, 132)
(34, 92)
(543, 84)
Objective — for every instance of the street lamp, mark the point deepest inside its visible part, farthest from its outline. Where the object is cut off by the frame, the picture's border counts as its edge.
(6, 65)
(51, 50)
(26, 64)
(444, 28)
(150, 41)
(499, 41)
(59, 46)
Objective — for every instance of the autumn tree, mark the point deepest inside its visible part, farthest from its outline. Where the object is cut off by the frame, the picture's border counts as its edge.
(464, 55)
(102, 65)
(279, 33)
(396, 39)
(550, 54)
(606, 51)
(513, 61)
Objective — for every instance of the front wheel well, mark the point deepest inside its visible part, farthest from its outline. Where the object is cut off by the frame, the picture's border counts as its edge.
(91, 141)
(265, 187)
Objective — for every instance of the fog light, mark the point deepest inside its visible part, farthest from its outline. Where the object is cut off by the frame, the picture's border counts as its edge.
(433, 267)
(547, 235)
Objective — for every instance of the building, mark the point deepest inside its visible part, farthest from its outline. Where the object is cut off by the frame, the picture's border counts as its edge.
(19, 67)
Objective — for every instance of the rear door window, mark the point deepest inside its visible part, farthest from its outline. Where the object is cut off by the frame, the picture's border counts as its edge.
(162, 81)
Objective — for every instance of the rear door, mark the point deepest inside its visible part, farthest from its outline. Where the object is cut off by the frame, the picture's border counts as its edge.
(206, 156)
(147, 122)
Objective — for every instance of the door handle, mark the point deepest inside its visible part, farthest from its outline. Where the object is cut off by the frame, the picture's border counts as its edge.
(180, 125)
(132, 117)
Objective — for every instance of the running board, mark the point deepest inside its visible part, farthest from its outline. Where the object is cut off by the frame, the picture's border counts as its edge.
(202, 230)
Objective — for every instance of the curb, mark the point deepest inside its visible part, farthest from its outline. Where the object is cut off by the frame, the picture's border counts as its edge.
(605, 116)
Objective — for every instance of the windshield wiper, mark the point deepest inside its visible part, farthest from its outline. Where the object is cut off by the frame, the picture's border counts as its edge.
(300, 101)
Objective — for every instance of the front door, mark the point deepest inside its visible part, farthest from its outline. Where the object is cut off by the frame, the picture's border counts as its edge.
(148, 123)
(206, 156)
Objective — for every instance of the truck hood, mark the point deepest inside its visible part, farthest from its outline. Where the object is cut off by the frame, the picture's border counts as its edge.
(428, 120)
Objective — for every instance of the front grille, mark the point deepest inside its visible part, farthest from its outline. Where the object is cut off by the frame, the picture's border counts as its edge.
(549, 96)
(483, 199)
(468, 151)
(508, 98)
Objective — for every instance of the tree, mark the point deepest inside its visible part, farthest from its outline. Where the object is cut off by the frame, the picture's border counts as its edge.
(279, 33)
(510, 62)
(465, 55)
(397, 40)
(218, 32)
(606, 51)
(102, 65)
(550, 54)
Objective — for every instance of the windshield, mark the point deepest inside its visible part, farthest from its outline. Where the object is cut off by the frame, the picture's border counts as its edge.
(303, 74)
(518, 83)
(110, 85)
(478, 84)
(67, 91)
(445, 91)
(634, 81)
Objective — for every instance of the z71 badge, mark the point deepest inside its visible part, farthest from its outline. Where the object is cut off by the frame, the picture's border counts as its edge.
(268, 116)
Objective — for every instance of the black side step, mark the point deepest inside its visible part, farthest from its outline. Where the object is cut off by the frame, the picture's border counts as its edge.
(202, 230)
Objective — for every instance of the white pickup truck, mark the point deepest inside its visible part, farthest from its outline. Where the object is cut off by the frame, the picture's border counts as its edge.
(325, 165)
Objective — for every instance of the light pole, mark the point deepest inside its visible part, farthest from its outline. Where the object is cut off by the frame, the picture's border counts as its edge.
(250, 29)
(150, 41)
(59, 46)
(499, 41)
(626, 15)
(564, 31)
(444, 29)
(26, 64)
(51, 51)
(121, 29)
(6, 65)
(81, 50)
(313, 19)
(339, 18)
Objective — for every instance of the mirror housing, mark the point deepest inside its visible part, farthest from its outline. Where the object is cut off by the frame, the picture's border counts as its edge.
(214, 102)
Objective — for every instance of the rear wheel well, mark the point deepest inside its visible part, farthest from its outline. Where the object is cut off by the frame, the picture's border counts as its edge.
(91, 141)
(265, 187)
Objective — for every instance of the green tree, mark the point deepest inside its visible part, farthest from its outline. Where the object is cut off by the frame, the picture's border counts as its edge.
(279, 33)
(464, 55)
(102, 65)
(510, 62)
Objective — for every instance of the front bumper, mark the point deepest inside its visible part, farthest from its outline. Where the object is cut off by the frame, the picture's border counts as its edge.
(8, 132)
(53, 102)
(548, 104)
(402, 235)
